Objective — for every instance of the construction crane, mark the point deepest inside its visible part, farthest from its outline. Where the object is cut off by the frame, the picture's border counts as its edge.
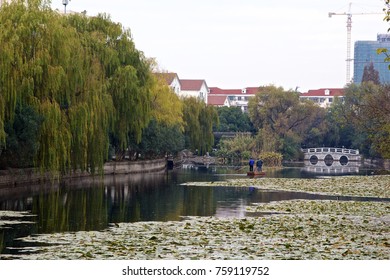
(349, 29)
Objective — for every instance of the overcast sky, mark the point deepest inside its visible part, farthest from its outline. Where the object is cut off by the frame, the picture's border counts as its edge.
(245, 43)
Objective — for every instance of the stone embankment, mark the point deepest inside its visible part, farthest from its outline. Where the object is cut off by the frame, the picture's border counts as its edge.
(30, 175)
(187, 157)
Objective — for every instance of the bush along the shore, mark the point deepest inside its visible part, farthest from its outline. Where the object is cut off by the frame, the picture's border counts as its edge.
(271, 159)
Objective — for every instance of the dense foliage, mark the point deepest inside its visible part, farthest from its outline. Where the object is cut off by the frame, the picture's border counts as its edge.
(232, 119)
(284, 121)
(74, 87)
(364, 117)
(199, 120)
(74, 90)
(234, 149)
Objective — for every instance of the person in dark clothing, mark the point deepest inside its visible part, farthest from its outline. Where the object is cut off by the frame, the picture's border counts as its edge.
(259, 165)
(251, 163)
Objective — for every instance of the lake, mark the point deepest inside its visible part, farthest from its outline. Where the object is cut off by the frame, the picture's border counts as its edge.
(93, 203)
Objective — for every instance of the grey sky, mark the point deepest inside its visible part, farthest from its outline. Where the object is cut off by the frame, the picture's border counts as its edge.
(235, 44)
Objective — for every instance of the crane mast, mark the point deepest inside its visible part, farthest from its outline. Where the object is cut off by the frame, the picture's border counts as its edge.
(349, 32)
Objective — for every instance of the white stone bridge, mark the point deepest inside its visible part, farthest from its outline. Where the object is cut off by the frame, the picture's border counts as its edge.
(331, 155)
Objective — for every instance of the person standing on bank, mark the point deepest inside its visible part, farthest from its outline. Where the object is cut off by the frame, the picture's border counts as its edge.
(251, 163)
(259, 165)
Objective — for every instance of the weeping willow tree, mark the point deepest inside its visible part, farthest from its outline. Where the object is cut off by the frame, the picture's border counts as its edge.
(129, 80)
(199, 120)
(82, 74)
(164, 134)
(167, 108)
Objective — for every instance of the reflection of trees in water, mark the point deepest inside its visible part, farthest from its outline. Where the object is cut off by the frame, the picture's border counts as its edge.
(84, 204)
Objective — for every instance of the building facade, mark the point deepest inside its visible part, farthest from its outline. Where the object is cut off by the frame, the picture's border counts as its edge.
(366, 53)
(232, 97)
(194, 88)
(323, 97)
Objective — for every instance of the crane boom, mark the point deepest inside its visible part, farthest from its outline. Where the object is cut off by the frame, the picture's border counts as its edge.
(349, 31)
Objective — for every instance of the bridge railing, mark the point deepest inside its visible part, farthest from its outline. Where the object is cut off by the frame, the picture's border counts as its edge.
(331, 150)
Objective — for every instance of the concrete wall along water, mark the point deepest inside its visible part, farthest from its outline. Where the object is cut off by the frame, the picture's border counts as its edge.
(29, 175)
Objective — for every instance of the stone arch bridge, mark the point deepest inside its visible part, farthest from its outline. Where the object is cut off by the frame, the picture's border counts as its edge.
(330, 156)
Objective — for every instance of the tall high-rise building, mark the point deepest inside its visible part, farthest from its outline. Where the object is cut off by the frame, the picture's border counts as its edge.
(366, 53)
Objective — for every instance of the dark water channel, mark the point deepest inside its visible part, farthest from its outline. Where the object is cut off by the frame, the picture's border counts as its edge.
(92, 204)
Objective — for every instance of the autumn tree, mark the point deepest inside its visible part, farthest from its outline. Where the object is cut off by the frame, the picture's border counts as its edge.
(366, 111)
(236, 148)
(283, 120)
(164, 134)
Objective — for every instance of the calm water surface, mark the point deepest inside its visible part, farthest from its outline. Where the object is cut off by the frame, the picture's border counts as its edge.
(93, 204)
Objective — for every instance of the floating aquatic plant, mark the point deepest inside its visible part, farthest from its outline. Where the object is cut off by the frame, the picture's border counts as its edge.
(298, 229)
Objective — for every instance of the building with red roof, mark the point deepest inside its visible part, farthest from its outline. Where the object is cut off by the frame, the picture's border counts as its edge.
(232, 97)
(218, 100)
(194, 88)
(324, 97)
(171, 79)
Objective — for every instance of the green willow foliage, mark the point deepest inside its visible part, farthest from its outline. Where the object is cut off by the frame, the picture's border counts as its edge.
(199, 119)
(82, 74)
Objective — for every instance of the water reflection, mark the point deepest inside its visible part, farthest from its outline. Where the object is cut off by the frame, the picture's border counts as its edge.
(86, 204)
(335, 168)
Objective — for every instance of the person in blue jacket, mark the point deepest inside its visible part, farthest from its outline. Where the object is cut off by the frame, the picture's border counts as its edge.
(251, 163)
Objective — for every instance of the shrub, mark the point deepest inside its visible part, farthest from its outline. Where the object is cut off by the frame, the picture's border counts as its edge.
(271, 159)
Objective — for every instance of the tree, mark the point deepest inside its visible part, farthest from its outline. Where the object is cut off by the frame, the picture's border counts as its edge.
(370, 74)
(199, 120)
(283, 120)
(236, 148)
(232, 119)
(167, 108)
(22, 138)
(363, 119)
(160, 139)
(82, 75)
(164, 134)
(373, 119)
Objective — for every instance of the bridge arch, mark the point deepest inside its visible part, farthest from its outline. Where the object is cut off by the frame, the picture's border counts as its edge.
(328, 160)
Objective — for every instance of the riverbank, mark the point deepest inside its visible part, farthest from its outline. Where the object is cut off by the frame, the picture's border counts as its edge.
(30, 175)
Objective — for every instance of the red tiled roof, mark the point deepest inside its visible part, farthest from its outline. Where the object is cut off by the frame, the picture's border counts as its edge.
(217, 90)
(167, 77)
(192, 84)
(249, 90)
(216, 100)
(252, 90)
(321, 92)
